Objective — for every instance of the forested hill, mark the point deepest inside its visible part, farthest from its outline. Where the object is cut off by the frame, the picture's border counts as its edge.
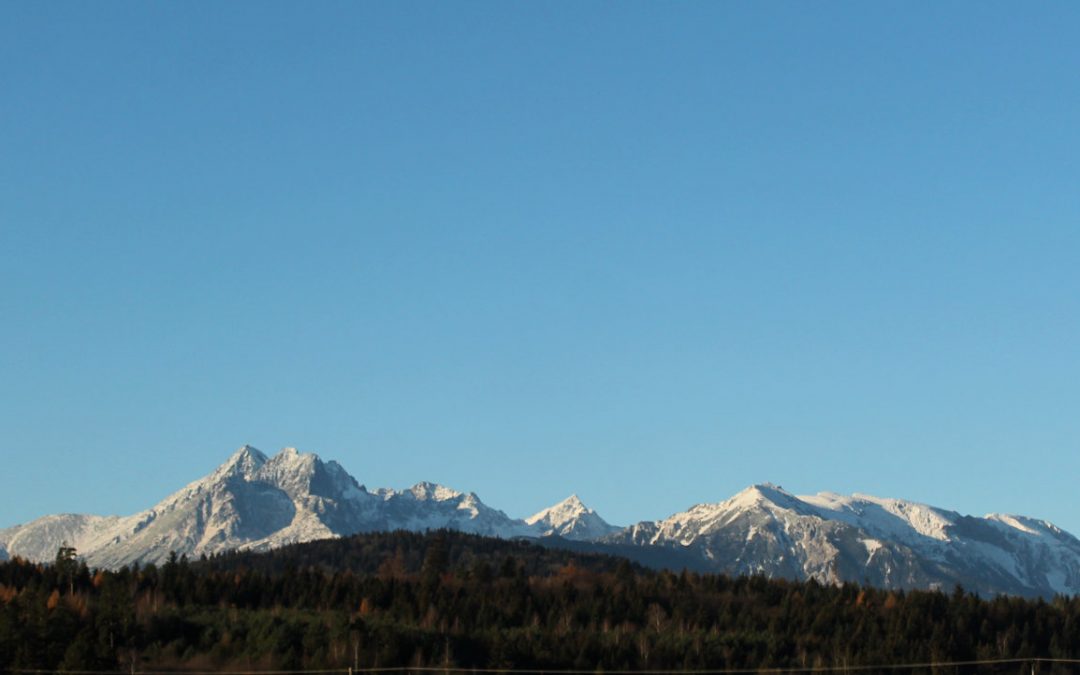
(457, 602)
(404, 552)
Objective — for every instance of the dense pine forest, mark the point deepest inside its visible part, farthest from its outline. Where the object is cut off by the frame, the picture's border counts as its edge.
(456, 601)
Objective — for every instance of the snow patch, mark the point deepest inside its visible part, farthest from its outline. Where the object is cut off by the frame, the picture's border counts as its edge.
(872, 546)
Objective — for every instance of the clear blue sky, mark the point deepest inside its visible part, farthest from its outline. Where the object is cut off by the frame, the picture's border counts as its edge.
(646, 252)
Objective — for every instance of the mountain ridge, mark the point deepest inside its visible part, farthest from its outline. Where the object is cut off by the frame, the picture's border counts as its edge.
(253, 501)
(886, 542)
(257, 502)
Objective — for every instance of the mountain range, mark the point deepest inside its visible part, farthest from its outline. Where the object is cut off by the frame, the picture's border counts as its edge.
(255, 502)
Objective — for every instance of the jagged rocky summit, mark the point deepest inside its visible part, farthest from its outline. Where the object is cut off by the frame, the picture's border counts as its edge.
(257, 502)
(889, 543)
(571, 519)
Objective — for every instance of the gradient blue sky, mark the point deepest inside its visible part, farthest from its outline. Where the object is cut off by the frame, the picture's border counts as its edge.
(646, 252)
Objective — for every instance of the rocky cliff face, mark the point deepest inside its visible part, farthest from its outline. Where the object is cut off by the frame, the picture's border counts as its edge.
(257, 502)
(889, 543)
(570, 519)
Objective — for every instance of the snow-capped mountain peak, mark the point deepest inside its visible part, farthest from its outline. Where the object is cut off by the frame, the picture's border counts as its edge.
(426, 490)
(292, 471)
(570, 519)
(888, 518)
(767, 495)
(756, 502)
(567, 509)
(1030, 526)
(893, 543)
(252, 501)
(245, 461)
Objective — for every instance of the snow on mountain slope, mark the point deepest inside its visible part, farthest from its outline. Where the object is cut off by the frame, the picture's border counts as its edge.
(427, 506)
(765, 530)
(257, 502)
(884, 542)
(243, 503)
(571, 519)
(39, 539)
(890, 518)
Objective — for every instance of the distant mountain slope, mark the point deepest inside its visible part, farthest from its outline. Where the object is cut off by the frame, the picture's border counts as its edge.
(39, 540)
(254, 502)
(404, 552)
(889, 543)
(427, 506)
(571, 519)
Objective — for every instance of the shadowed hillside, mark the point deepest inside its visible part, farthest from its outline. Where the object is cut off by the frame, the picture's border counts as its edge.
(451, 600)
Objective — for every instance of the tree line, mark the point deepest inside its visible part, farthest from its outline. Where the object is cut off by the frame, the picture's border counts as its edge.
(458, 601)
